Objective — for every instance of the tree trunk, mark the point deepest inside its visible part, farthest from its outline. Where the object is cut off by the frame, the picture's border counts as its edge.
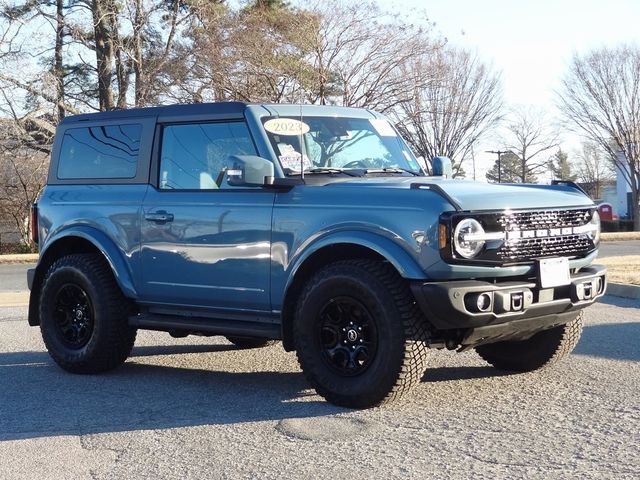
(58, 68)
(122, 72)
(138, 71)
(102, 12)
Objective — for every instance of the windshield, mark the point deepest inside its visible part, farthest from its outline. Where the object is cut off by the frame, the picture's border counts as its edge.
(338, 143)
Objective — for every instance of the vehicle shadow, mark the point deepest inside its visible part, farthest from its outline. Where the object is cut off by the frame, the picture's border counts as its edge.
(617, 341)
(445, 374)
(38, 399)
(155, 350)
(620, 301)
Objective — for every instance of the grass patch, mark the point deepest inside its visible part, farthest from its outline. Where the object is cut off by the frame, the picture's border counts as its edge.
(622, 269)
(19, 258)
(619, 236)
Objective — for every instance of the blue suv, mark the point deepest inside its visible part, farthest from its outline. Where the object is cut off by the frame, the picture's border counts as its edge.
(312, 225)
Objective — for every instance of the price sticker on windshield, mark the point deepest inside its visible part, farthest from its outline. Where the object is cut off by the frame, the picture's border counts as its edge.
(286, 126)
(554, 272)
(294, 161)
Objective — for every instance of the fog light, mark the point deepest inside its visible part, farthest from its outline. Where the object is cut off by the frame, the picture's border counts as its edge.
(598, 285)
(483, 302)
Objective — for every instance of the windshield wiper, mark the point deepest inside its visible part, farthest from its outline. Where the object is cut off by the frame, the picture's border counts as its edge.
(351, 172)
(392, 170)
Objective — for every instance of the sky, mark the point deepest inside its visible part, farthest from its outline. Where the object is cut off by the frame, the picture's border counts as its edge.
(531, 42)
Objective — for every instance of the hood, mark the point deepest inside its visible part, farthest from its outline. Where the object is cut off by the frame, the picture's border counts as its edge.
(472, 195)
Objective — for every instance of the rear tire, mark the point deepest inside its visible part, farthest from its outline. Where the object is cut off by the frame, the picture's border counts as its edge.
(359, 336)
(83, 315)
(540, 351)
(250, 342)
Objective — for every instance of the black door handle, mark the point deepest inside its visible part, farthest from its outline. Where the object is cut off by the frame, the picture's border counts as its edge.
(159, 217)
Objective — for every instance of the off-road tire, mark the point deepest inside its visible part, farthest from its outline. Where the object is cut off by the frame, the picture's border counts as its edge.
(110, 339)
(250, 342)
(539, 351)
(401, 351)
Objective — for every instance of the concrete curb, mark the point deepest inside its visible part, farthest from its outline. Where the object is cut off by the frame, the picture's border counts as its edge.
(619, 236)
(624, 290)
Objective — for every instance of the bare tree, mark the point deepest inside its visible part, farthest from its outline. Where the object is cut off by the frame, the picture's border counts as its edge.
(362, 56)
(600, 96)
(461, 102)
(256, 53)
(529, 137)
(592, 169)
(22, 176)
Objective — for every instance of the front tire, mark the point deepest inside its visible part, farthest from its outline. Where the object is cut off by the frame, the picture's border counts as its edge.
(83, 315)
(359, 336)
(540, 351)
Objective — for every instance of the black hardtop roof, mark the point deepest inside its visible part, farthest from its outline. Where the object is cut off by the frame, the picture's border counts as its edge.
(223, 108)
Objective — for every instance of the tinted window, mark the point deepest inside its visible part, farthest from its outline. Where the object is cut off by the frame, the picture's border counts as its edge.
(196, 156)
(100, 152)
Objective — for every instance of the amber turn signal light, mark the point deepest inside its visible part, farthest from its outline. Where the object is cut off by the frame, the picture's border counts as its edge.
(442, 235)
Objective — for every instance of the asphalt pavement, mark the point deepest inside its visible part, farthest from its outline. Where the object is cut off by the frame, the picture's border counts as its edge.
(200, 408)
(13, 277)
(619, 248)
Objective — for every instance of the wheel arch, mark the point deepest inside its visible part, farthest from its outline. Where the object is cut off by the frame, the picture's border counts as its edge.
(80, 240)
(336, 249)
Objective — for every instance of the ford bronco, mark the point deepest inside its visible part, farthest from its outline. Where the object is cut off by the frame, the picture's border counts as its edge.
(313, 225)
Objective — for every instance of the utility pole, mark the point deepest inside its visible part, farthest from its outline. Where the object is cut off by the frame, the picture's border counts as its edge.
(499, 152)
(473, 158)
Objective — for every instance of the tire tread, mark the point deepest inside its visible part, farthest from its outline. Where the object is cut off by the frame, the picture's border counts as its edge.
(112, 350)
(416, 352)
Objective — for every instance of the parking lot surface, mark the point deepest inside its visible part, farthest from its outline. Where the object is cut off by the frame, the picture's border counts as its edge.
(200, 408)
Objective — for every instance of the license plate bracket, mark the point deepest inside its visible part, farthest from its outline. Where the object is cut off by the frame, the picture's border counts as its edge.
(553, 272)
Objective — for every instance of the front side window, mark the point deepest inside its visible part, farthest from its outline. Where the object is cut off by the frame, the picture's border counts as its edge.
(313, 143)
(197, 156)
(102, 152)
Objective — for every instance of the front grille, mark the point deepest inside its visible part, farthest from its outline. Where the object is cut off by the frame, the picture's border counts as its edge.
(538, 219)
(528, 235)
(525, 249)
(570, 245)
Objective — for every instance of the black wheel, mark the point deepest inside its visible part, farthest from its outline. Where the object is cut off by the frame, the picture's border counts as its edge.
(250, 342)
(83, 315)
(359, 337)
(541, 350)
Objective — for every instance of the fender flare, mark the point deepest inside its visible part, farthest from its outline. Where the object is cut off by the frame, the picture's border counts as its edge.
(112, 253)
(406, 265)
(402, 260)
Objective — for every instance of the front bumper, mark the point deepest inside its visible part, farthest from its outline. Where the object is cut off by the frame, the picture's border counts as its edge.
(509, 305)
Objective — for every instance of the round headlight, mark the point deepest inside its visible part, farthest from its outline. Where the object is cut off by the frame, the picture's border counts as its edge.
(595, 224)
(463, 238)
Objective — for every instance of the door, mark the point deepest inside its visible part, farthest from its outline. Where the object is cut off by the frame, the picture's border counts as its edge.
(204, 243)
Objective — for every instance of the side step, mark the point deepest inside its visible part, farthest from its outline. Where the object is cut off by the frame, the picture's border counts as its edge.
(214, 326)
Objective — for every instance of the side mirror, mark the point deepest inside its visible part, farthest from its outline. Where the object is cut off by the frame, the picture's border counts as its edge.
(442, 167)
(249, 171)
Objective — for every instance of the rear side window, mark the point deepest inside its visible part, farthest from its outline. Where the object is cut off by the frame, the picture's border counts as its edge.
(108, 151)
